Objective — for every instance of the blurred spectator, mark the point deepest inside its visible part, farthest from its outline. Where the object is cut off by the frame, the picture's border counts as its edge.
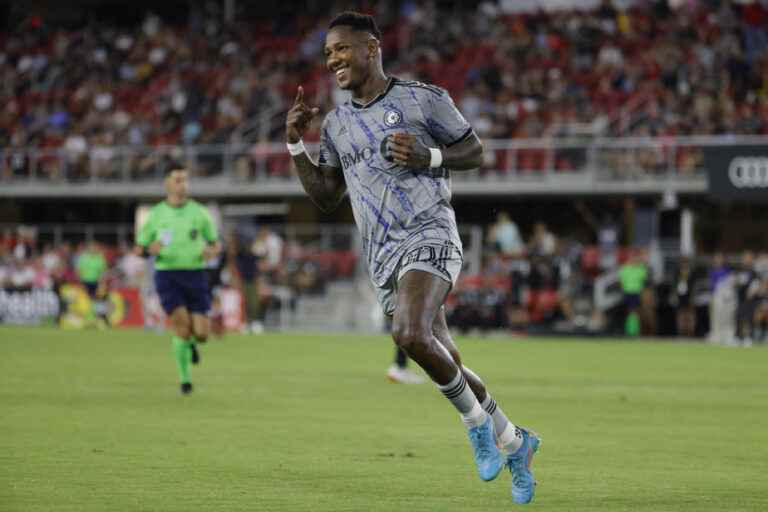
(760, 297)
(248, 266)
(632, 276)
(133, 268)
(91, 265)
(504, 236)
(722, 306)
(268, 247)
(697, 71)
(542, 242)
(682, 299)
(745, 279)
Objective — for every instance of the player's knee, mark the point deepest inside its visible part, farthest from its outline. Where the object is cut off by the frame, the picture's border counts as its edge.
(183, 331)
(409, 337)
(201, 336)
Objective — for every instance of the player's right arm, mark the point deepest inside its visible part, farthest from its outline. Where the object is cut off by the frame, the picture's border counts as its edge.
(324, 184)
(146, 239)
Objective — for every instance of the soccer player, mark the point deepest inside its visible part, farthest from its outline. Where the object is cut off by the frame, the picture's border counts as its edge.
(181, 236)
(391, 146)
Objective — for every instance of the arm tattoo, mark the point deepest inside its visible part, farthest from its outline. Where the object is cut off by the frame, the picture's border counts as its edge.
(325, 193)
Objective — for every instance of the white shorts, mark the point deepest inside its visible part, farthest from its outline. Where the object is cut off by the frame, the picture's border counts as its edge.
(444, 261)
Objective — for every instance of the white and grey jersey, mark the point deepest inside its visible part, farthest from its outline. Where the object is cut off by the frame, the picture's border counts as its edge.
(395, 207)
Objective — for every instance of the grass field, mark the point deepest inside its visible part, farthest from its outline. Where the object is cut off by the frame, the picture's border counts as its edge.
(93, 421)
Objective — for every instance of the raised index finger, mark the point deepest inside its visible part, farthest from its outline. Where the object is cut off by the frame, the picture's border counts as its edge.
(299, 96)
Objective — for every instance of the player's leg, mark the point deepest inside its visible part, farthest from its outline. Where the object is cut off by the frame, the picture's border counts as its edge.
(518, 443)
(182, 350)
(171, 294)
(420, 295)
(511, 438)
(198, 298)
(201, 327)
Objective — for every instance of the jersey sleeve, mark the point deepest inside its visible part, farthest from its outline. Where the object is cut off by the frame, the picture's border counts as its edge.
(210, 233)
(444, 121)
(328, 154)
(148, 231)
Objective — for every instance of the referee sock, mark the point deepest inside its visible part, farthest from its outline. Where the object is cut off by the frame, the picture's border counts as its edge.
(182, 354)
(462, 397)
(509, 435)
(632, 325)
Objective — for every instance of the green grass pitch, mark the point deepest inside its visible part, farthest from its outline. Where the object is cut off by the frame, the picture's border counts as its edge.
(93, 421)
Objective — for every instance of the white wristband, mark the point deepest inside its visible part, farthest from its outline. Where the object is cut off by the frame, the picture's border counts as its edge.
(435, 157)
(296, 149)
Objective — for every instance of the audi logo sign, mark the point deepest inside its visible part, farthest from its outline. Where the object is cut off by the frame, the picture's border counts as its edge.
(738, 172)
(749, 172)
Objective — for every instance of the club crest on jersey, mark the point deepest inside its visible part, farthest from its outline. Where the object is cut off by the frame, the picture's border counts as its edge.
(393, 117)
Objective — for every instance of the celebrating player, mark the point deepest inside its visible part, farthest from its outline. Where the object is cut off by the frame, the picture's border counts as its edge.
(180, 234)
(391, 146)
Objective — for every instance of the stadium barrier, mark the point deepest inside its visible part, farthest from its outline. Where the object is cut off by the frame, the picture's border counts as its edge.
(515, 166)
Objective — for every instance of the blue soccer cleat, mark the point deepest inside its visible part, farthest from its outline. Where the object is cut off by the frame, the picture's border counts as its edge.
(519, 463)
(488, 458)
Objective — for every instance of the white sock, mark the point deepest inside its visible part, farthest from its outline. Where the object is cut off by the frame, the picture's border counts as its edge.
(511, 439)
(509, 435)
(462, 397)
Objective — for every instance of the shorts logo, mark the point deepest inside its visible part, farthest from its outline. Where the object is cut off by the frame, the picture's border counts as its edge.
(193, 234)
(393, 117)
(435, 256)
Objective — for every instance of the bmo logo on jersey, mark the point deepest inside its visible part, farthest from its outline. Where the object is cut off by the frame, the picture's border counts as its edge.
(749, 172)
(361, 154)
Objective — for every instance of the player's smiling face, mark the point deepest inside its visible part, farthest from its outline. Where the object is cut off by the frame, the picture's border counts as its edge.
(348, 56)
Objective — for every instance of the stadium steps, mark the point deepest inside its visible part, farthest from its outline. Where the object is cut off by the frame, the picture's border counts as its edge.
(345, 306)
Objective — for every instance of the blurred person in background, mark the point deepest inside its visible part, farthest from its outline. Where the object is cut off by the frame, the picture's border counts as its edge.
(760, 319)
(268, 248)
(542, 242)
(248, 262)
(399, 372)
(647, 312)
(745, 278)
(504, 236)
(632, 277)
(91, 266)
(179, 232)
(722, 305)
(682, 299)
(133, 268)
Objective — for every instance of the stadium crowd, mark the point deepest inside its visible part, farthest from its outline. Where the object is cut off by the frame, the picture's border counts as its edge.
(636, 68)
(544, 284)
(547, 284)
(268, 271)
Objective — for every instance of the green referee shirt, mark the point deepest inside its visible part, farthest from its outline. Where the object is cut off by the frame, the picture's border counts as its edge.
(90, 266)
(184, 232)
(632, 277)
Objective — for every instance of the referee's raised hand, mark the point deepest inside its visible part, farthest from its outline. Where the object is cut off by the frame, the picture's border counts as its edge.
(298, 118)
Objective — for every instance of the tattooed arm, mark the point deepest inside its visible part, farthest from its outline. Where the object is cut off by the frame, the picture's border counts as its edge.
(324, 184)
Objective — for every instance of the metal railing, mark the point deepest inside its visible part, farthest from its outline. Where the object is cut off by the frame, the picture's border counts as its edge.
(576, 164)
